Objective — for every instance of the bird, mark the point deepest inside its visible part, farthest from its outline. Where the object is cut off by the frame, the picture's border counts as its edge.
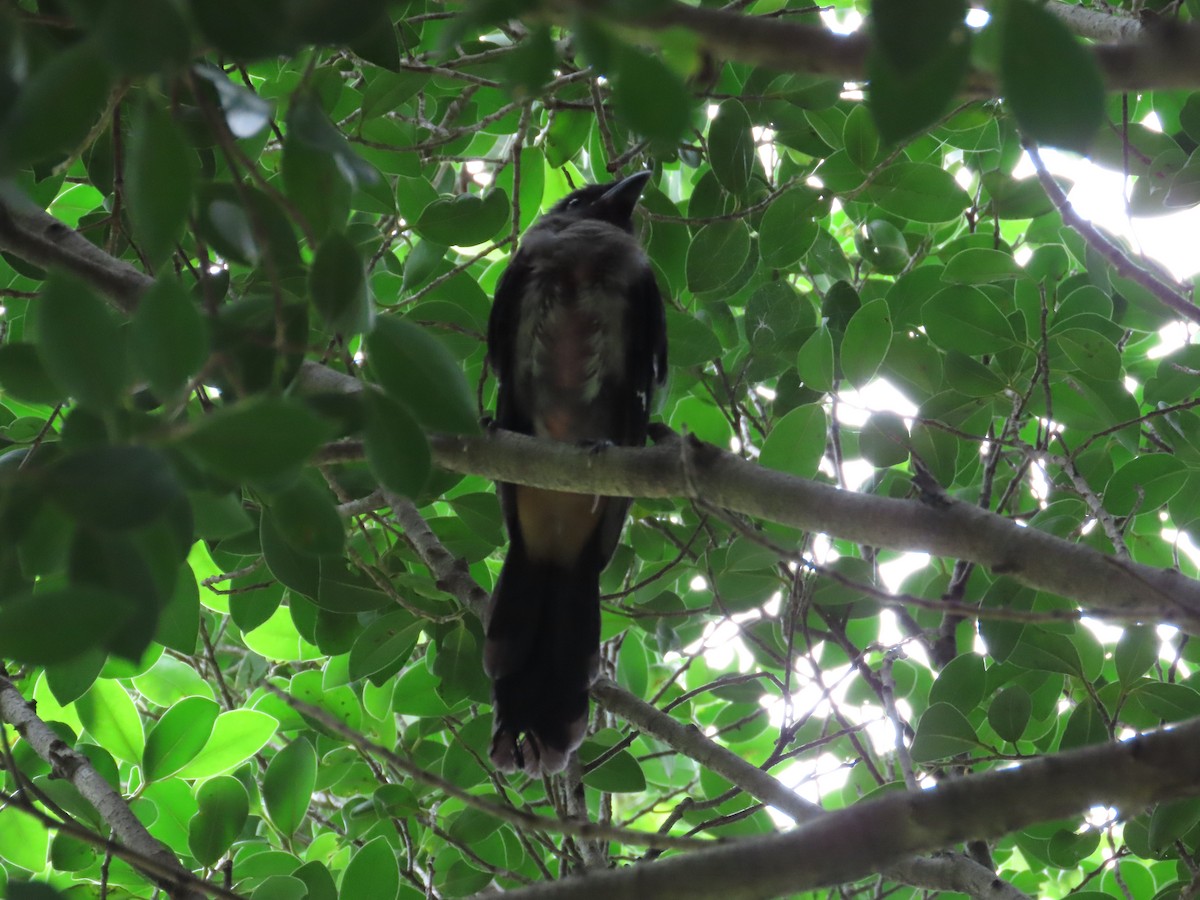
(577, 341)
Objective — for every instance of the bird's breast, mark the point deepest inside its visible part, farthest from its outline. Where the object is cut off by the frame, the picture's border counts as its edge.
(571, 342)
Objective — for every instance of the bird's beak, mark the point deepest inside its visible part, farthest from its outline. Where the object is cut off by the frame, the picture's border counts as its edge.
(620, 199)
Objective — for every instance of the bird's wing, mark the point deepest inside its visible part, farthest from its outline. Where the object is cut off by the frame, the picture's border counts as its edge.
(645, 371)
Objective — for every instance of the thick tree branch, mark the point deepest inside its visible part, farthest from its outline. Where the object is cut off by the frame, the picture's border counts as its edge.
(37, 237)
(940, 526)
(1165, 56)
(148, 853)
(945, 873)
(961, 531)
(851, 843)
(1107, 27)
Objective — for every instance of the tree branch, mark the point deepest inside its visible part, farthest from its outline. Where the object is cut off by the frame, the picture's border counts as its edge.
(1166, 55)
(946, 873)
(945, 527)
(39, 238)
(852, 843)
(149, 854)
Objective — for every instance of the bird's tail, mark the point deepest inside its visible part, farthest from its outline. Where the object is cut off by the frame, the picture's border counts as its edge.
(542, 653)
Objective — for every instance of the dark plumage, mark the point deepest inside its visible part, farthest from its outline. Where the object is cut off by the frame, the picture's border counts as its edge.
(577, 339)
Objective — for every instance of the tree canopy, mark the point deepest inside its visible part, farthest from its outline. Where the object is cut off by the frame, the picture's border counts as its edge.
(905, 601)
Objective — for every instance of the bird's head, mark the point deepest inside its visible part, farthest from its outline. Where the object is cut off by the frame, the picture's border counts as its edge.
(612, 203)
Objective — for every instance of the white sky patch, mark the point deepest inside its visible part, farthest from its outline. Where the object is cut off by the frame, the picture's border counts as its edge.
(1171, 337)
(1183, 542)
(856, 472)
(977, 18)
(878, 395)
(1105, 632)
(1099, 196)
(842, 21)
(894, 572)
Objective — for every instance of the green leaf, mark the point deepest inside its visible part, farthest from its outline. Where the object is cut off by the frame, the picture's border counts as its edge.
(384, 644)
(1018, 199)
(84, 617)
(691, 341)
(280, 887)
(884, 440)
(1049, 78)
(169, 337)
(169, 680)
(317, 879)
(304, 514)
(1085, 727)
(788, 228)
(1009, 713)
(142, 37)
(178, 736)
(158, 179)
(24, 841)
(531, 63)
(1170, 702)
(56, 108)
(651, 99)
(942, 732)
(969, 376)
(981, 265)
(236, 736)
(80, 343)
(1171, 820)
(415, 368)
(296, 571)
(108, 713)
(815, 360)
(566, 135)
(917, 63)
(860, 138)
(246, 113)
(883, 246)
(342, 589)
(373, 873)
(1144, 484)
(338, 284)
(466, 220)
(919, 191)
(731, 146)
(397, 449)
(797, 442)
(618, 774)
(1088, 351)
(1136, 651)
(964, 318)
(865, 344)
(961, 683)
(415, 694)
(256, 439)
(308, 123)
(23, 376)
(223, 807)
(717, 254)
(1047, 651)
(288, 785)
(115, 488)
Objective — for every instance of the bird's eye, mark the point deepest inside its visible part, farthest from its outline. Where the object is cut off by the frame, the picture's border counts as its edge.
(572, 203)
